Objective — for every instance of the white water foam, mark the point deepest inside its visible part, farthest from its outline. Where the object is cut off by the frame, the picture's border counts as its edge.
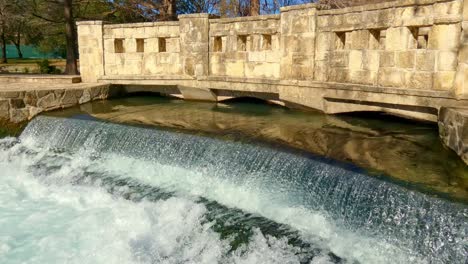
(49, 220)
(314, 226)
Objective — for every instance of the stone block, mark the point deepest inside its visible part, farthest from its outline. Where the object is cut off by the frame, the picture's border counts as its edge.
(352, 19)
(322, 56)
(340, 59)
(323, 21)
(324, 41)
(371, 60)
(463, 53)
(444, 80)
(71, 97)
(465, 10)
(235, 69)
(420, 80)
(19, 115)
(263, 70)
(30, 98)
(453, 130)
(391, 77)
(321, 70)
(4, 109)
(258, 56)
(338, 75)
(359, 39)
(447, 8)
(47, 101)
(362, 77)
(399, 38)
(445, 37)
(425, 60)
(461, 80)
(355, 60)
(272, 57)
(405, 59)
(447, 61)
(387, 59)
(16, 103)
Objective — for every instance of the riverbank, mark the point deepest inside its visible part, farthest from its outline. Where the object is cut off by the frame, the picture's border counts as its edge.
(21, 101)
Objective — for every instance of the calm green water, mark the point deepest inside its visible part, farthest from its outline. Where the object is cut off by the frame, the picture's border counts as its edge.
(154, 180)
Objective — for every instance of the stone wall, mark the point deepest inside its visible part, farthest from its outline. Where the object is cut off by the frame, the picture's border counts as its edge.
(142, 49)
(407, 44)
(461, 82)
(403, 44)
(245, 47)
(298, 40)
(20, 102)
(91, 49)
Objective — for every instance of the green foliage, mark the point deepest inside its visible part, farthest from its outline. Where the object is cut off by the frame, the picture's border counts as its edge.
(25, 70)
(46, 68)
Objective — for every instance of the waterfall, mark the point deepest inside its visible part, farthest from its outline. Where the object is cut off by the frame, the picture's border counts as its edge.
(324, 208)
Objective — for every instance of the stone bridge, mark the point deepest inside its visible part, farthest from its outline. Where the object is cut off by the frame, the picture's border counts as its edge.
(407, 57)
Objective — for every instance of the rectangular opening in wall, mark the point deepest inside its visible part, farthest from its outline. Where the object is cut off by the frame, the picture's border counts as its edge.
(241, 42)
(374, 38)
(420, 38)
(377, 38)
(162, 44)
(423, 37)
(340, 40)
(383, 36)
(119, 46)
(140, 45)
(218, 44)
(266, 42)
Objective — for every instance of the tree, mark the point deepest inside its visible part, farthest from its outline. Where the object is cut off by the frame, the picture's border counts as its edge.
(58, 18)
(254, 7)
(6, 14)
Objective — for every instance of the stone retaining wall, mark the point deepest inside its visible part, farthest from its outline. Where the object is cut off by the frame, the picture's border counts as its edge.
(453, 130)
(18, 105)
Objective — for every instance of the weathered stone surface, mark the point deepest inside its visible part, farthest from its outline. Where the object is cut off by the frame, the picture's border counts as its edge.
(47, 101)
(17, 103)
(453, 130)
(4, 109)
(72, 97)
(30, 98)
(19, 115)
(86, 97)
(444, 80)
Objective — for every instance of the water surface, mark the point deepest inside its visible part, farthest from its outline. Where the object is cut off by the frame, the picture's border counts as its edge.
(150, 180)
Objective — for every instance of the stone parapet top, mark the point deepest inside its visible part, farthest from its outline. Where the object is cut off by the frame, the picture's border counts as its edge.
(245, 19)
(200, 15)
(143, 24)
(380, 6)
(303, 6)
(89, 22)
(146, 77)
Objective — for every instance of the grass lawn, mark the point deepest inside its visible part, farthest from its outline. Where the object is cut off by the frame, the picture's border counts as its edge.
(28, 65)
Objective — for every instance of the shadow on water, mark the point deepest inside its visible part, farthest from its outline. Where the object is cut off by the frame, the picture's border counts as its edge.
(403, 151)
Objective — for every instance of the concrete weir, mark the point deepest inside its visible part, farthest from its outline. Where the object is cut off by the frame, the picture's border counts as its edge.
(407, 57)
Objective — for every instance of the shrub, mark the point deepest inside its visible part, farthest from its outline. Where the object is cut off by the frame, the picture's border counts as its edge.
(46, 68)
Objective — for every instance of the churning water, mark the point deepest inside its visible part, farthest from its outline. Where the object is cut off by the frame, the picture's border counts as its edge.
(84, 191)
